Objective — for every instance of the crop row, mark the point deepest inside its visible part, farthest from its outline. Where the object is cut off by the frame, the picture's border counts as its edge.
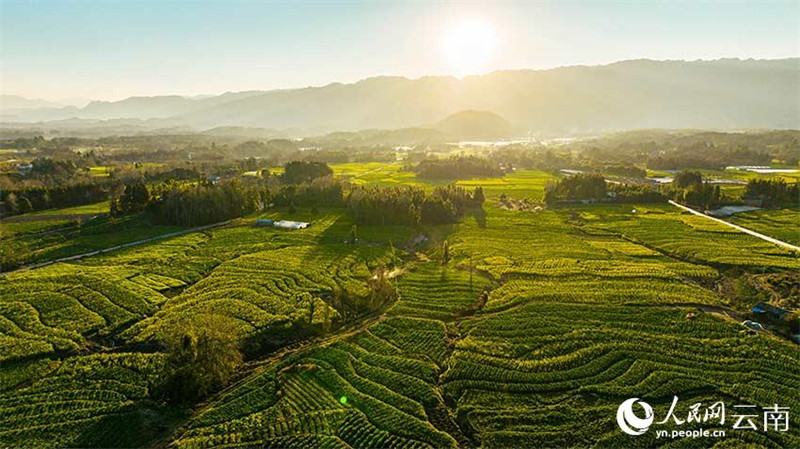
(80, 401)
(525, 375)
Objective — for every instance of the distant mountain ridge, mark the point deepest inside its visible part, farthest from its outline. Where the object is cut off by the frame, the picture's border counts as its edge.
(18, 102)
(719, 94)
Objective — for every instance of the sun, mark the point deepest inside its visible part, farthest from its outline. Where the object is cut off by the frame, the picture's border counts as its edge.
(469, 45)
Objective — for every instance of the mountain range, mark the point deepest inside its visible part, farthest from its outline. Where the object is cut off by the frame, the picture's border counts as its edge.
(719, 94)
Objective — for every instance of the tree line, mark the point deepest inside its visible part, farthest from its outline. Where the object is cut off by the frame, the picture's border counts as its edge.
(774, 192)
(31, 199)
(689, 188)
(708, 156)
(194, 204)
(593, 187)
(411, 206)
(306, 185)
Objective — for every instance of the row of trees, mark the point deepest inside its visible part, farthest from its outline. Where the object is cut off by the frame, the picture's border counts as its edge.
(298, 172)
(303, 183)
(182, 204)
(689, 188)
(202, 204)
(704, 196)
(774, 192)
(324, 191)
(581, 186)
(411, 206)
(545, 159)
(635, 193)
(705, 155)
(39, 198)
(593, 187)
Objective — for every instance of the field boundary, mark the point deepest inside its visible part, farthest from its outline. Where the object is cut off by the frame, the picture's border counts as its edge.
(739, 228)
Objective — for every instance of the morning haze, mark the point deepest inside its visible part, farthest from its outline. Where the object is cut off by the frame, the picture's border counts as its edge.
(113, 50)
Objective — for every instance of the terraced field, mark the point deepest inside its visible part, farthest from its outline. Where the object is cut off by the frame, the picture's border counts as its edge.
(456, 292)
(576, 322)
(553, 375)
(532, 334)
(51, 237)
(86, 401)
(690, 237)
(253, 276)
(783, 224)
(379, 388)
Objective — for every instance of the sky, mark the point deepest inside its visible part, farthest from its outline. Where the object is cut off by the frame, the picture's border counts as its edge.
(111, 50)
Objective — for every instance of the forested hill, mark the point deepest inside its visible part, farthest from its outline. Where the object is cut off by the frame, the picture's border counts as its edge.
(720, 94)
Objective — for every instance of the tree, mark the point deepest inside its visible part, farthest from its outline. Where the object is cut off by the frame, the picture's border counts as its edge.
(414, 215)
(581, 186)
(436, 210)
(24, 205)
(445, 253)
(392, 254)
(134, 198)
(381, 291)
(11, 207)
(296, 172)
(353, 235)
(686, 178)
(113, 208)
(202, 358)
(477, 196)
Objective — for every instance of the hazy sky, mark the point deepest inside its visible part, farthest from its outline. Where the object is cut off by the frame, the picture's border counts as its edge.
(111, 50)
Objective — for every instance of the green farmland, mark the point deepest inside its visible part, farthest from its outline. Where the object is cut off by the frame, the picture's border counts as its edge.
(527, 329)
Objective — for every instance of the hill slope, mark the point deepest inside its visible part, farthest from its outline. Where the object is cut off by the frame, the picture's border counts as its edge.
(475, 125)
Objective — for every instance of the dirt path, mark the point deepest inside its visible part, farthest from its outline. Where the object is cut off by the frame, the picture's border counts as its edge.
(739, 228)
(368, 172)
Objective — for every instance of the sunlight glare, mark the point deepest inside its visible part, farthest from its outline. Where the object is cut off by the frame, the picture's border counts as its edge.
(469, 45)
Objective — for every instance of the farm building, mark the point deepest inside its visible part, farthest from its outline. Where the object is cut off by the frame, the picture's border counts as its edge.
(770, 311)
(756, 326)
(286, 224)
(282, 224)
(23, 169)
(727, 211)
